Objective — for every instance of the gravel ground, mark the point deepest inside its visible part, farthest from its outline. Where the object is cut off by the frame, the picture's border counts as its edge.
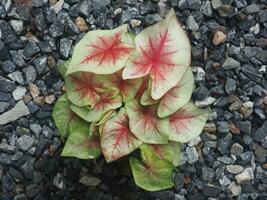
(229, 57)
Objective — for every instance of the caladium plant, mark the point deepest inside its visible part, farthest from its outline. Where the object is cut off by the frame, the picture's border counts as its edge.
(126, 93)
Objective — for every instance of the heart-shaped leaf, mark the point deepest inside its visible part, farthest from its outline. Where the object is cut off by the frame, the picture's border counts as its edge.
(107, 101)
(163, 52)
(187, 123)
(83, 88)
(116, 137)
(62, 68)
(168, 152)
(177, 96)
(151, 173)
(80, 145)
(102, 51)
(65, 119)
(145, 124)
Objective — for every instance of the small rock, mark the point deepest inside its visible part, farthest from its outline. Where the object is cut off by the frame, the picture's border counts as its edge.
(31, 49)
(34, 90)
(86, 8)
(59, 181)
(36, 129)
(192, 24)
(207, 174)
(227, 11)
(234, 189)
(210, 190)
(71, 28)
(231, 63)
(15, 113)
(30, 74)
(244, 126)
(247, 108)
(206, 8)
(17, 25)
(240, 3)
(236, 149)
(191, 154)
(8, 66)
(6, 85)
(223, 127)
(25, 142)
(246, 175)
(245, 158)
(3, 106)
(224, 181)
(65, 47)
(190, 4)
(234, 169)
(252, 8)
(50, 99)
(135, 23)
(32, 190)
(40, 64)
(56, 29)
(90, 181)
(216, 4)
(260, 153)
(219, 37)
(152, 18)
(16, 76)
(230, 86)
(57, 6)
(18, 93)
(81, 24)
(102, 2)
(206, 102)
(261, 132)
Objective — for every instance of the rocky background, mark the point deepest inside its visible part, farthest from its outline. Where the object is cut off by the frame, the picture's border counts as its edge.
(229, 57)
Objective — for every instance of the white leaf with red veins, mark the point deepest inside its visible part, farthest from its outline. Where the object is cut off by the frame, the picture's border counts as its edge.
(116, 137)
(163, 52)
(187, 123)
(177, 96)
(145, 124)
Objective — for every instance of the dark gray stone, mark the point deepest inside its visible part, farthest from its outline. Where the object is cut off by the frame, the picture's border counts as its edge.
(30, 74)
(65, 47)
(86, 8)
(40, 64)
(240, 3)
(244, 126)
(56, 29)
(17, 77)
(6, 85)
(71, 28)
(230, 63)
(3, 106)
(261, 132)
(223, 127)
(25, 142)
(230, 86)
(8, 66)
(210, 190)
(201, 93)
(207, 174)
(32, 190)
(31, 49)
(5, 96)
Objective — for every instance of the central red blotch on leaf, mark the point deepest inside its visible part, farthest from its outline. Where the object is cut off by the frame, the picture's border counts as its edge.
(156, 57)
(106, 49)
(86, 86)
